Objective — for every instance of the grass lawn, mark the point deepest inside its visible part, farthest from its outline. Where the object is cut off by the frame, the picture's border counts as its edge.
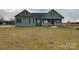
(36, 38)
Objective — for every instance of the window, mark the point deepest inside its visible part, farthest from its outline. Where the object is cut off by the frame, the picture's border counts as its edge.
(57, 21)
(45, 21)
(52, 14)
(25, 13)
(29, 20)
(33, 21)
(18, 21)
(38, 21)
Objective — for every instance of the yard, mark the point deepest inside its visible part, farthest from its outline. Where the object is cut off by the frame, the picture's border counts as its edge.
(38, 38)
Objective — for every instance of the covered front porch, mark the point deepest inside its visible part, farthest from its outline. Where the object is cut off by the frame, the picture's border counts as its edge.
(48, 22)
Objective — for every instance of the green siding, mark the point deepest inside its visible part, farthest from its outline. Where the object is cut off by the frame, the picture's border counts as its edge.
(52, 15)
(31, 19)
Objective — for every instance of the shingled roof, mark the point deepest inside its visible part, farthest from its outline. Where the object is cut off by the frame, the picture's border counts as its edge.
(38, 15)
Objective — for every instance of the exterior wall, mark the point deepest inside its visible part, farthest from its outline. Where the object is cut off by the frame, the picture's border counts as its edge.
(33, 22)
(26, 22)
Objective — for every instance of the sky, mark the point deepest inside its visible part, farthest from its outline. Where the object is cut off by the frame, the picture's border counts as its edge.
(69, 14)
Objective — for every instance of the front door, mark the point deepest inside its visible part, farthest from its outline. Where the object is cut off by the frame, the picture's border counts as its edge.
(52, 21)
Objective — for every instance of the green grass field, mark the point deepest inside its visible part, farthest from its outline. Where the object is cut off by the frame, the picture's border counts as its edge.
(38, 38)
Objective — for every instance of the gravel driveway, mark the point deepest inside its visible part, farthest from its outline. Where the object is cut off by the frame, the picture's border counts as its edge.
(7, 25)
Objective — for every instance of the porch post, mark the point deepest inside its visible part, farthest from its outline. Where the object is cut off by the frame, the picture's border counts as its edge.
(50, 22)
(55, 22)
(40, 22)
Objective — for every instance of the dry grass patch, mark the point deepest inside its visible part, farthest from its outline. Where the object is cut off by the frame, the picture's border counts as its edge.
(38, 38)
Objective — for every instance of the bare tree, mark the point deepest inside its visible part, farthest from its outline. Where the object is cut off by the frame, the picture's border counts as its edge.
(12, 19)
(1, 19)
(10, 22)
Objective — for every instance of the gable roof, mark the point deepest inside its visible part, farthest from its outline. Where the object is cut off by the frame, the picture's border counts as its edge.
(57, 13)
(38, 15)
(22, 12)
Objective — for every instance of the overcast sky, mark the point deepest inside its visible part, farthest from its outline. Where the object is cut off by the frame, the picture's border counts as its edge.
(69, 14)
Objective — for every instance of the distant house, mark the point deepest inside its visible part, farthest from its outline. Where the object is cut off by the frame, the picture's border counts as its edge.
(25, 18)
(11, 22)
(4, 22)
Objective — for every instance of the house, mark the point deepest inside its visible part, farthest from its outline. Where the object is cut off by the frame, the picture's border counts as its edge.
(25, 18)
